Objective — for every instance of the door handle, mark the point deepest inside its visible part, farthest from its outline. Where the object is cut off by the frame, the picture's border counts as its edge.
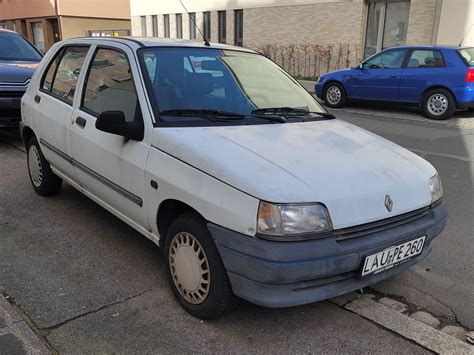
(394, 77)
(37, 99)
(81, 122)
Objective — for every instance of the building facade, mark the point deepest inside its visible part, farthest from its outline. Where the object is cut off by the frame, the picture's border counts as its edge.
(44, 22)
(308, 37)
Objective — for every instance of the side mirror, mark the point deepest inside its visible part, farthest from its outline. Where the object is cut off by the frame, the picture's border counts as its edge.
(359, 67)
(114, 122)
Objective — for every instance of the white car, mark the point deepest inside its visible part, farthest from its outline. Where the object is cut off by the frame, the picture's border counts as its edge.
(251, 188)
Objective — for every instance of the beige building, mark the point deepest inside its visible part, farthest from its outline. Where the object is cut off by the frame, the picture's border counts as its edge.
(308, 37)
(44, 22)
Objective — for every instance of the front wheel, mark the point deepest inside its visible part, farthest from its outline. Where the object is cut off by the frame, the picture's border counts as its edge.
(438, 104)
(335, 95)
(44, 181)
(195, 270)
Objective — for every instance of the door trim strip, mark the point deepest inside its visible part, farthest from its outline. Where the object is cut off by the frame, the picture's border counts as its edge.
(125, 193)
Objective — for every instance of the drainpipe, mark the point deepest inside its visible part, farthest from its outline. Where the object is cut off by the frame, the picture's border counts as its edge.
(56, 9)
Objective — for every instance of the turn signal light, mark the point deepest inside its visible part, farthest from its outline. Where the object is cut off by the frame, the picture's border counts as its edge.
(470, 75)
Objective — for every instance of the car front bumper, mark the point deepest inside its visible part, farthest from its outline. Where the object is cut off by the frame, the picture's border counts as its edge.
(283, 274)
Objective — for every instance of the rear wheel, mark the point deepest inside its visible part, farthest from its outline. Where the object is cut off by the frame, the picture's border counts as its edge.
(438, 104)
(44, 181)
(195, 270)
(335, 95)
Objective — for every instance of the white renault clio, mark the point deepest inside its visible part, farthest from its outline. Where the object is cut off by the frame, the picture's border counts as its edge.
(222, 159)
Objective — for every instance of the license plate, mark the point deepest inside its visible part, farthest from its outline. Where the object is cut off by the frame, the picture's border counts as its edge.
(392, 256)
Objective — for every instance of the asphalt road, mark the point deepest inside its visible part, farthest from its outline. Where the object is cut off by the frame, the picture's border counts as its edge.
(88, 282)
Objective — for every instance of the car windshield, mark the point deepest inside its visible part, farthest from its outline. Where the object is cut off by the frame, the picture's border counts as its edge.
(468, 55)
(191, 84)
(15, 47)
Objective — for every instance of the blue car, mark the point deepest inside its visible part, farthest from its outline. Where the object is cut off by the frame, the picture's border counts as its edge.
(438, 79)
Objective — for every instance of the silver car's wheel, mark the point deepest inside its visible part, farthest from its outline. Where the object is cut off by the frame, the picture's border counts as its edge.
(34, 166)
(189, 268)
(437, 104)
(333, 95)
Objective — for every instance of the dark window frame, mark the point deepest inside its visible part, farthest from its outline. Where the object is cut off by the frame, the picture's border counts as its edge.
(179, 25)
(222, 26)
(239, 28)
(192, 25)
(410, 52)
(59, 55)
(143, 23)
(206, 21)
(138, 113)
(154, 25)
(166, 25)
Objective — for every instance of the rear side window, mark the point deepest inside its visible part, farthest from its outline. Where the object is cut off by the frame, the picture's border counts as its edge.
(467, 55)
(109, 85)
(63, 72)
(422, 58)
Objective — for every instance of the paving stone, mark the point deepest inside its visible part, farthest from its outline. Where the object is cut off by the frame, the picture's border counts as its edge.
(393, 304)
(455, 331)
(344, 299)
(10, 344)
(426, 318)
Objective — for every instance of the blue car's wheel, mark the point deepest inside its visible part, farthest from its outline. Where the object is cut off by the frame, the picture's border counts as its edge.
(335, 95)
(438, 104)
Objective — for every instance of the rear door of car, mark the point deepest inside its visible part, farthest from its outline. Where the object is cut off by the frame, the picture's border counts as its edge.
(425, 67)
(378, 78)
(109, 166)
(53, 105)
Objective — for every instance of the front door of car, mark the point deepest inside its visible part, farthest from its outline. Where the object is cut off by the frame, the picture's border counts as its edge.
(53, 106)
(378, 78)
(110, 166)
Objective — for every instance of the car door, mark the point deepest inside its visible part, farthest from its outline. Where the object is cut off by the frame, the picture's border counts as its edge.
(425, 68)
(53, 106)
(109, 166)
(378, 78)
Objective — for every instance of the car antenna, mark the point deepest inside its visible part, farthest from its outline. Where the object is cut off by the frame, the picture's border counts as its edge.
(469, 30)
(206, 42)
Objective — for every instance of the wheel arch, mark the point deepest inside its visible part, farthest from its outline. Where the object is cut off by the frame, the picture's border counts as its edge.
(26, 135)
(167, 212)
(433, 87)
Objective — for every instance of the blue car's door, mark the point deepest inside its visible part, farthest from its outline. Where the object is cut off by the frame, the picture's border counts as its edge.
(378, 78)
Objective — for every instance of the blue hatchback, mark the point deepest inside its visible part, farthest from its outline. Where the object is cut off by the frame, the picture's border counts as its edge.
(438, 79)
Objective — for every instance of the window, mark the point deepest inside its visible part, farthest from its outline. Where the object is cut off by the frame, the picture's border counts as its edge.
(207, 25)
(468, 56)
(166, 22)
(192, 25)
(38, 35)
(179, 26)
(3, 25)
(143, 19)
(109, 85)
(426, 59)
(239, 28)
(61, 77)
(154, 25)
(391, 59)
(222, 26)
(15, 47)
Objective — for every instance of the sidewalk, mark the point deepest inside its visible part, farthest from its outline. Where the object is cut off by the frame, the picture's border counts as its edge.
(16, 337)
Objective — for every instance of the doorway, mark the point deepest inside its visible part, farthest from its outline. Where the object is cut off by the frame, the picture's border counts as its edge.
(387, 23)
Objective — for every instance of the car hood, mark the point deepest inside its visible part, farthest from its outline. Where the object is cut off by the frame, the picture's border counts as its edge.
(16, 71)
(347, 71)
(348, 169)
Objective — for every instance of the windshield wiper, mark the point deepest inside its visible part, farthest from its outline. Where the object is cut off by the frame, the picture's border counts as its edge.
(290, 110)
(220, 114)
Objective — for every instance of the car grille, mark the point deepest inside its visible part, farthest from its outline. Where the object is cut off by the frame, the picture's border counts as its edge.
(379, 226)
(8, 86)
(11, 94)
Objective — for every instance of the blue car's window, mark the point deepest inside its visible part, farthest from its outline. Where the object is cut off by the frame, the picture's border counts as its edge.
(224, 80)
(422, 58)
(468, 56)
(391, 59)
(15, 47)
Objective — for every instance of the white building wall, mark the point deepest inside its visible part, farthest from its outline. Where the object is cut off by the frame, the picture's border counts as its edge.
(457, 16)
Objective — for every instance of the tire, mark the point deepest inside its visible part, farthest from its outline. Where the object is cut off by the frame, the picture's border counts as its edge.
(335, 95)
(438, 104)
(44, 181)
(208, 295)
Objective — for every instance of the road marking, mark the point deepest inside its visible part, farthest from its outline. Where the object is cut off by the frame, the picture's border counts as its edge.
(444, 155)
(409, 328)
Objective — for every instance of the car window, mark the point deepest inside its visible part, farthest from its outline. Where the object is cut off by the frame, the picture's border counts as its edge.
(468, 55)
(391, 59)
(422, 58)
(15, 47)
(68, 70)
(48, 77)
(109, 85)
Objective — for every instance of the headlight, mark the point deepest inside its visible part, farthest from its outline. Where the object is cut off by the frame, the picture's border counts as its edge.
(287, 220)
(436, 188)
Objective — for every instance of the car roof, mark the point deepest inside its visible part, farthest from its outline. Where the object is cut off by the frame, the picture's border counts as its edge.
(427, 47)
(159, 42)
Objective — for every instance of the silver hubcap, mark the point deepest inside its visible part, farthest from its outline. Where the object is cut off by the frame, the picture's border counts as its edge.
(437, 104)
(34, 166)
(189, 268)
(333, 95)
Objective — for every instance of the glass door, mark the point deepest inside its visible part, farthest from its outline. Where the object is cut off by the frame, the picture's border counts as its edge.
(38, 36)
(387, 24)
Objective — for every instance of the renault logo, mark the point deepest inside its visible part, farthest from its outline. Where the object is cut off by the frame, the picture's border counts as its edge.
(388, 203)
